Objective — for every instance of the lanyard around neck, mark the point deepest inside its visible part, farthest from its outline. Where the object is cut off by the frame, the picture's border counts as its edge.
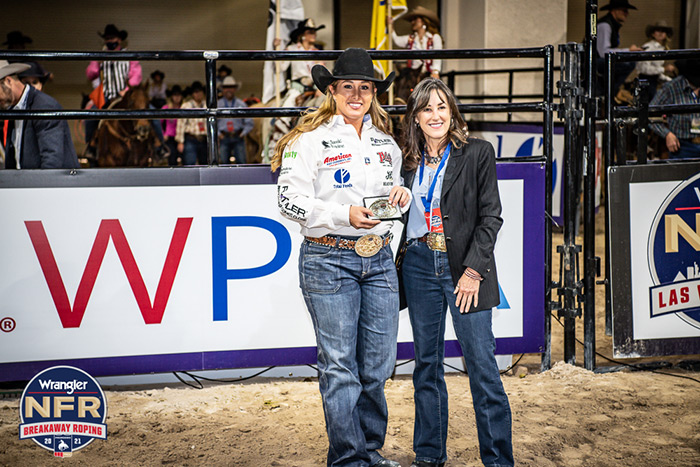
(428, 200)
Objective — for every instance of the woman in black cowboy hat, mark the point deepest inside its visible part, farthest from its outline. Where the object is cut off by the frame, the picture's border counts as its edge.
(340, 177)
(157, 89)
(36, 75)
(302, 39)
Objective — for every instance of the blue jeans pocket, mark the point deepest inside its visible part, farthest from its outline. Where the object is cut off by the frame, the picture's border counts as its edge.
(317, 268)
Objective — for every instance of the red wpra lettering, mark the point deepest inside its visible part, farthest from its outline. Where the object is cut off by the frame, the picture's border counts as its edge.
(109, 228)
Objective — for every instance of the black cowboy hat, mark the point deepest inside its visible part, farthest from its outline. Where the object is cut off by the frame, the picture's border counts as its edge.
(196, 86)
(354, 63)
(16, 37)
(176, 89)
(112, 31)
(690, 69)
(659, 26)
(618, 4)
(225, 69)
(35, 71)
(303, 26)
(158, 73)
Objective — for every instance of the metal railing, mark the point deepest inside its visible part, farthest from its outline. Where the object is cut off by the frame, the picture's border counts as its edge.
(451, 83)
(211, 112)
(614, 117)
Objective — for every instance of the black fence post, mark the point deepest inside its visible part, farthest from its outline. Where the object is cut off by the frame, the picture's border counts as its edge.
(569, 287)
(212, 133)
(510, 94)
(609, 152)
(451, 80)
(641, 91)
(548, 130)
(590, 261)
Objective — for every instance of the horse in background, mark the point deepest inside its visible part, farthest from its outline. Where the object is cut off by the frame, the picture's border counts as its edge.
(129, 143)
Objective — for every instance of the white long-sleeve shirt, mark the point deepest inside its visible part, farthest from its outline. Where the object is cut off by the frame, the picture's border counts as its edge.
(653, 67)
(331, 168)
(300, 68)
(421, 44)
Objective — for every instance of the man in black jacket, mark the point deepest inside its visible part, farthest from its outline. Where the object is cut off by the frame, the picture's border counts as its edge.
(609, 39)
(33, 144)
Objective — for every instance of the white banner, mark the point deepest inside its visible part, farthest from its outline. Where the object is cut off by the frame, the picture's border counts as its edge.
(127, 271)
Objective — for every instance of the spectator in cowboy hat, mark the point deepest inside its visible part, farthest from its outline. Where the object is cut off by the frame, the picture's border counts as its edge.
(681, 131)
(113, 78)
(425, 25)
(302, 38)
(32, 144)
(16, 40)
(191, 133)
(232, 130)
(36, 75)
(654, 71)
(157, 89)
(169, 125)
(609, 40)
(221, 73)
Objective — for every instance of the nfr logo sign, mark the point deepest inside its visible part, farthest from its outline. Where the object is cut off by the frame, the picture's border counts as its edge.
(674, 254)
(63, 409)
(71, 316)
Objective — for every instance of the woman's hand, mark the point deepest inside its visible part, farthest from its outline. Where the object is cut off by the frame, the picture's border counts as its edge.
(398, 194)
(180, 147)
(359, 218)
(467, 290)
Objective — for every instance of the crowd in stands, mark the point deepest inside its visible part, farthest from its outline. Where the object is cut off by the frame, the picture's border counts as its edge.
(185, 139)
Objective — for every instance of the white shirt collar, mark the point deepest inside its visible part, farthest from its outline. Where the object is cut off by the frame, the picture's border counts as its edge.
(22, 104)
(340, 120)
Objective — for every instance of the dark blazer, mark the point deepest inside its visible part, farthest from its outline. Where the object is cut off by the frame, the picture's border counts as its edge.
(46, 144)
(471, 215)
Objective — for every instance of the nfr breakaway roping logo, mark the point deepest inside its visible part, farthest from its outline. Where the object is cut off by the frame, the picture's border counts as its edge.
(63, 409)
(674, 254)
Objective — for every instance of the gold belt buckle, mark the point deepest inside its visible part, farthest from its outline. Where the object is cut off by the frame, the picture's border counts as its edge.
(368, 245)
(436, 241)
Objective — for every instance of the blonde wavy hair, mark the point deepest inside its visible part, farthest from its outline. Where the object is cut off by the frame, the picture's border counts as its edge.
(314, 118)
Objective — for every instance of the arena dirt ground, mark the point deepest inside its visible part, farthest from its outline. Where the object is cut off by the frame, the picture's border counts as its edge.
(566, 416)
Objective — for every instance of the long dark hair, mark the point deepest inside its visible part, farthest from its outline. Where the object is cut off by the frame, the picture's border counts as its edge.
(413, 137)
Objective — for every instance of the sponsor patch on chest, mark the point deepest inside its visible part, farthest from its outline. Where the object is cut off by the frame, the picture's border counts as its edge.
(341, 158)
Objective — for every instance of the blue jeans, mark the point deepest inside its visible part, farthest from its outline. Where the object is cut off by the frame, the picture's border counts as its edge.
(429, 291)
(235, 145)
(688, 150)
(195, 151)
(354, 306)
